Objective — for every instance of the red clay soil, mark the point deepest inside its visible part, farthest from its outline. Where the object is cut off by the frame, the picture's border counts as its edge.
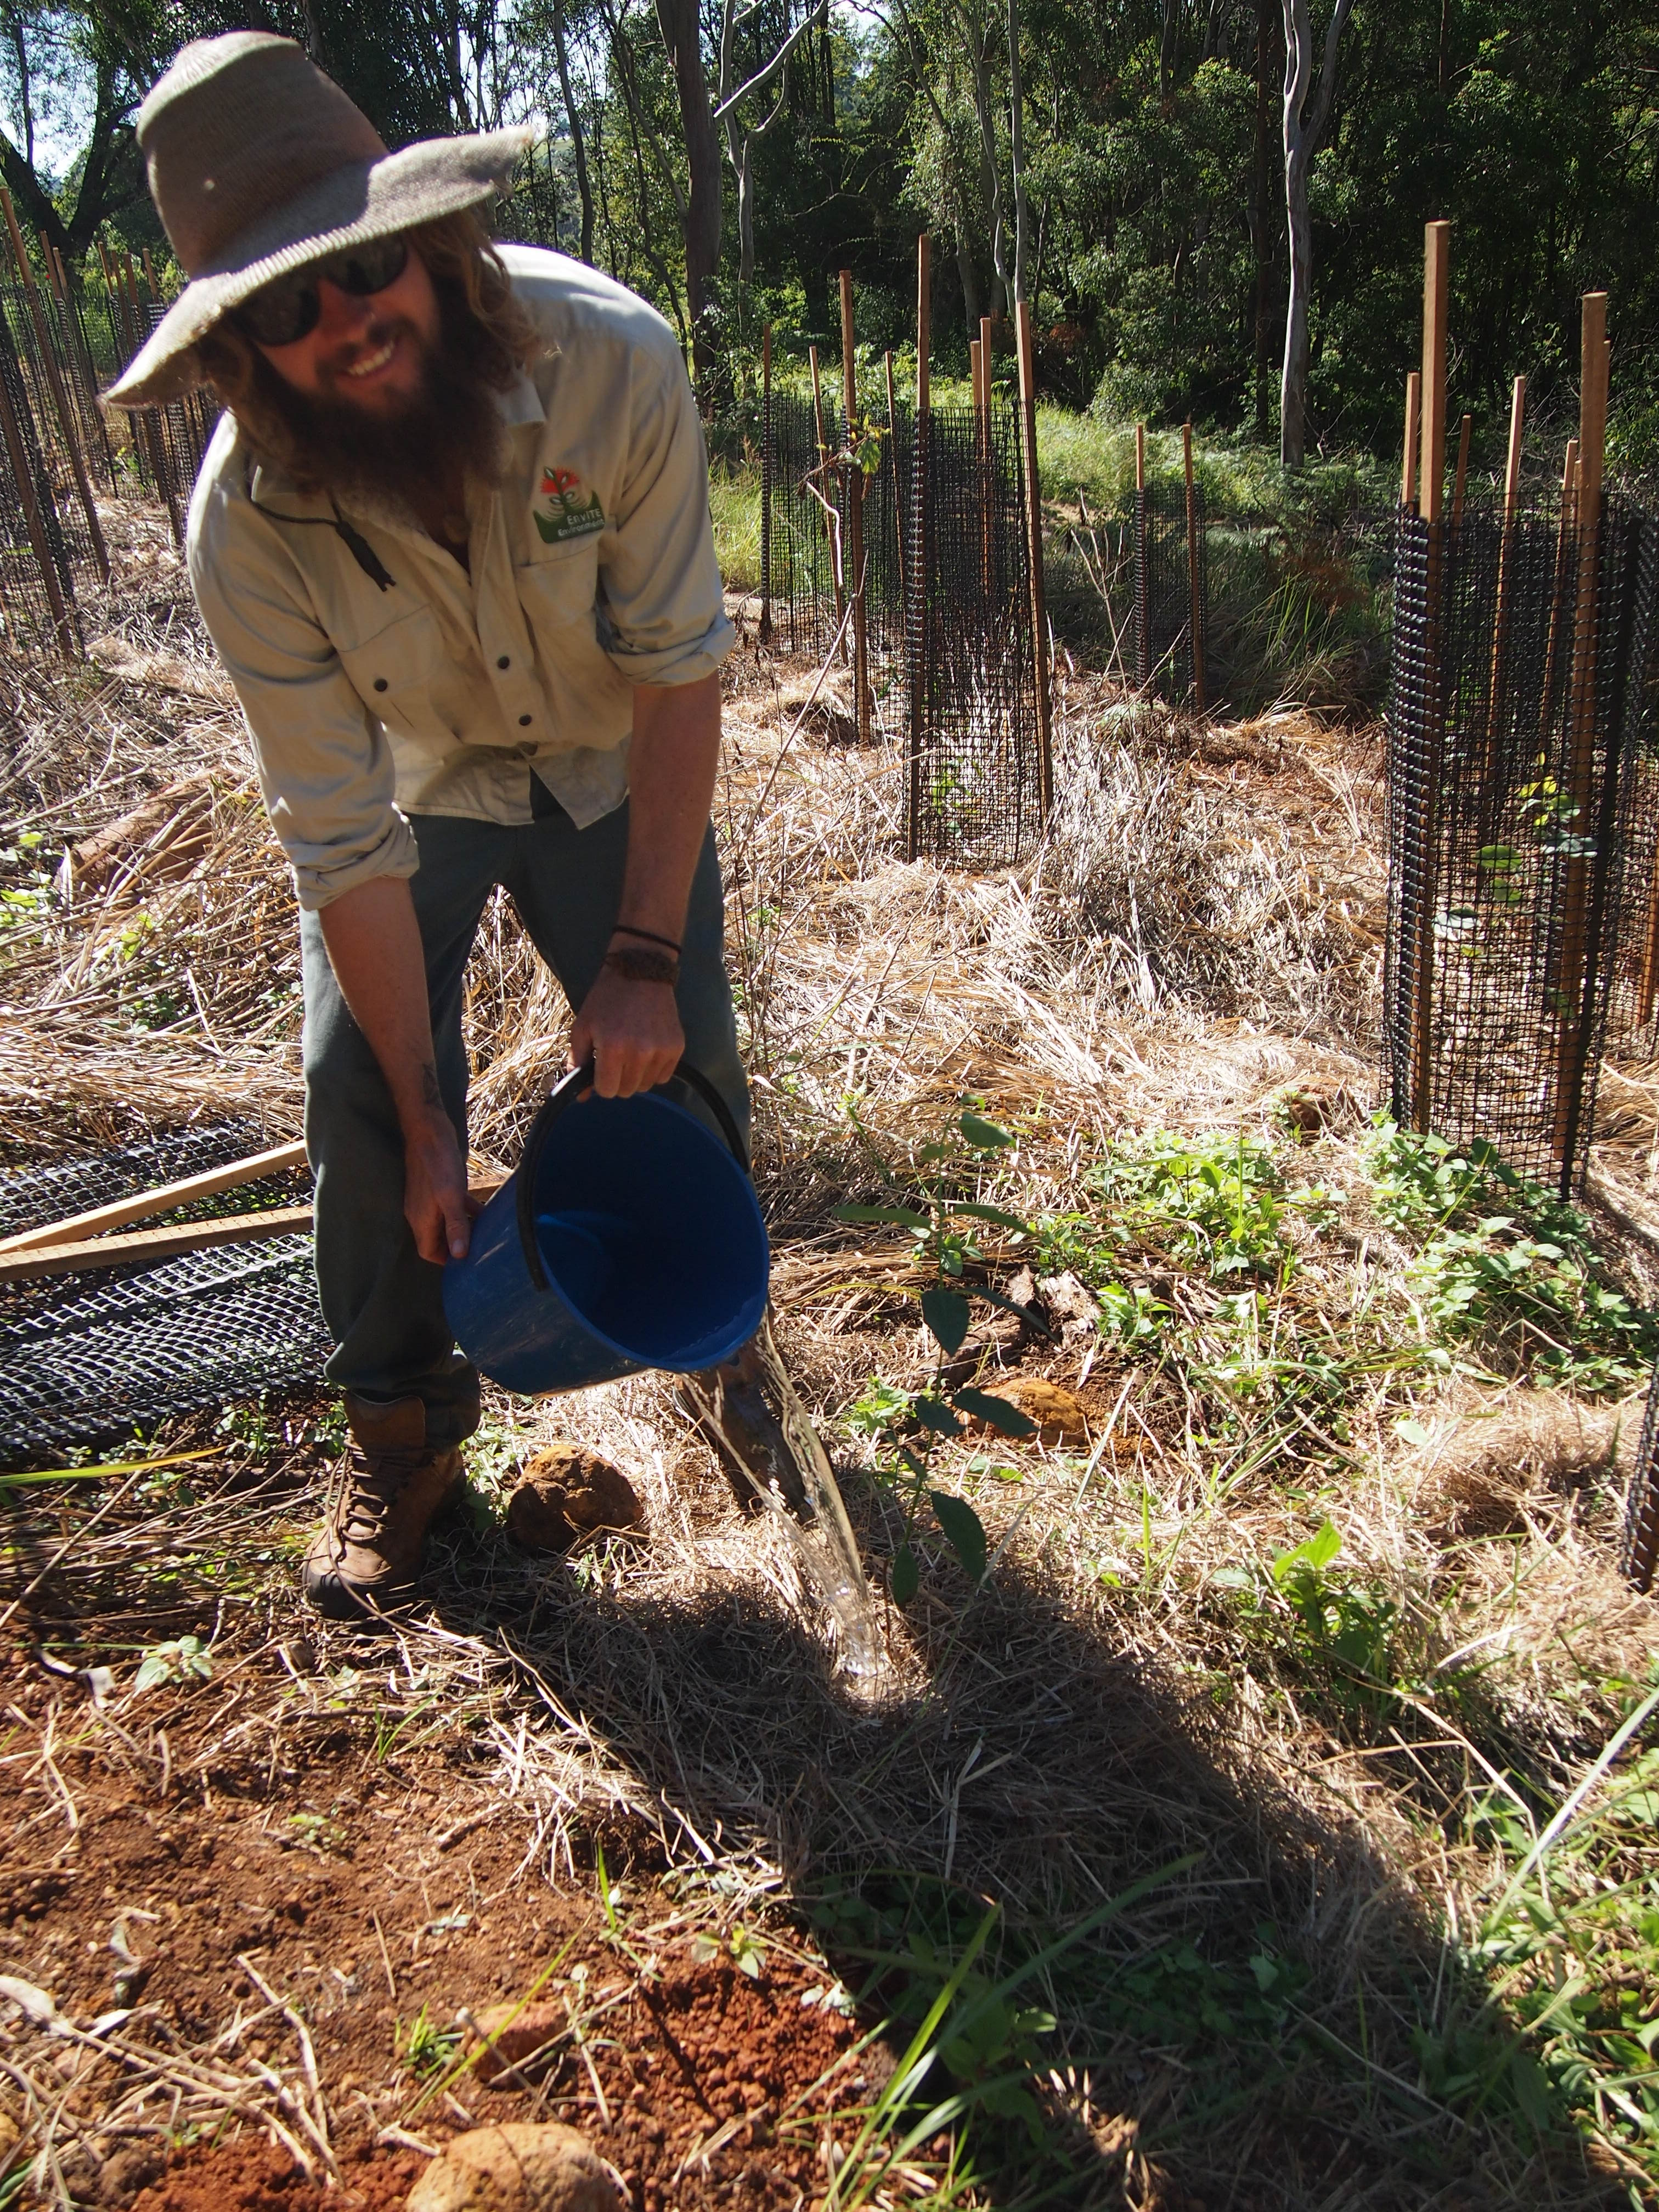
(356, 1885)
(250, 2175)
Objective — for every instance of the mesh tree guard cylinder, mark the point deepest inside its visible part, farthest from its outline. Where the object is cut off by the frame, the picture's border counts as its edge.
(1510, 812)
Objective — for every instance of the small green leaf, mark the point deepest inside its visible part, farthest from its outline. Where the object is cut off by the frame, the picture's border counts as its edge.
(963, 1531)
(947, 1314)
(907, 1576)
(933, 1413)
(994, 1213)
(1007, 1420)
(1413, 1432)
(901, 1217)
(984, 1136)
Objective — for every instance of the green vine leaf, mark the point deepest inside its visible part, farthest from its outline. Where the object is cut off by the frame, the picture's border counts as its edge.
(901, 1217)
(995, 1214)
(1006, 1419)
(933, 1413)
(963, 1531)
(946, 1313)
(907, 1576)
(984, 1136)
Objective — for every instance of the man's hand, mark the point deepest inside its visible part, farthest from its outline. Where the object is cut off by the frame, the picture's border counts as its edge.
(632, 1031)
(436, 1204)
(374, 946)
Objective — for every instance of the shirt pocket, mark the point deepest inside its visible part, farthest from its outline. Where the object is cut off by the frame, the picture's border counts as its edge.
(559, 595)
(394, 671)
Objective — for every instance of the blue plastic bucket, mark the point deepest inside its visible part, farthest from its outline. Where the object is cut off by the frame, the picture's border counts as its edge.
(627, 1237)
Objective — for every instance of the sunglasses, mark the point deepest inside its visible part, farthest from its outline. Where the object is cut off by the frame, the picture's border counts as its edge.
(290, 306)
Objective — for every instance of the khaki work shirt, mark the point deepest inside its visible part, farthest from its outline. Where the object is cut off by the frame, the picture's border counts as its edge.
(593, 569)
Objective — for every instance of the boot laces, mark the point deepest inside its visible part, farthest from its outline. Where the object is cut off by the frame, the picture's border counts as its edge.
(375, 1486)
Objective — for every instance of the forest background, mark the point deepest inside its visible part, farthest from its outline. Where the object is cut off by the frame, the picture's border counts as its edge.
(1122, 163)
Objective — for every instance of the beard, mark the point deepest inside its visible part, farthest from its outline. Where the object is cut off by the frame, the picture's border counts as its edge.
(446, 431)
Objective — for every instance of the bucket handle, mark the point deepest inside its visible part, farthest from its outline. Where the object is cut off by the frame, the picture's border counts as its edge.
(564, 1093)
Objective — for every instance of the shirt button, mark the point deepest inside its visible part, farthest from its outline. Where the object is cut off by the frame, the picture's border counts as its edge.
(505, 661)
(380, 684)
(524, 721)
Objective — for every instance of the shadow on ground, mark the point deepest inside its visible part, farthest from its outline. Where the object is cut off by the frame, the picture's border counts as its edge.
(1193, 1989)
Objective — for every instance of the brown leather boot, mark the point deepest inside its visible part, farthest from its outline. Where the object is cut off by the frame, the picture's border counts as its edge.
(368, 1551)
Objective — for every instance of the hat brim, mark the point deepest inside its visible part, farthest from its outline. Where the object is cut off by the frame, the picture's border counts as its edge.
(369, 199)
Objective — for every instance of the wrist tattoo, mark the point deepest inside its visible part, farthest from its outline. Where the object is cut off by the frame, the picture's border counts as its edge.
(639, 963)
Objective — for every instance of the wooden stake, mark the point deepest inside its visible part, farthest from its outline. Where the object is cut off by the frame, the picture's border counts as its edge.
(144, 1204)
(826, 485)
(1413, 403)
(919, 642)
(974, 374)
(1034, 534)
(1143, 641)
(150, 275)
(855, 480)
(1461, 478)
(1577, 951)
(1194, 580)
(59, 396)
(18, 457)
(766, 486)
(1436, 289)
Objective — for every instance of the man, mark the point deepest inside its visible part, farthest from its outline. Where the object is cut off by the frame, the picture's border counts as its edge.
(452, 540)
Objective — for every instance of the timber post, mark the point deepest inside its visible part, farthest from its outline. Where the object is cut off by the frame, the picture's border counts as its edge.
(854, 515)
(1436, 287)
(918, 625)
(1194, 576)
(766, 488)
(1577, 973)
(1033, 536)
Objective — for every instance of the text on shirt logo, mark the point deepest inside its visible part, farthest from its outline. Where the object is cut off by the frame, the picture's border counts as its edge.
(565, 516)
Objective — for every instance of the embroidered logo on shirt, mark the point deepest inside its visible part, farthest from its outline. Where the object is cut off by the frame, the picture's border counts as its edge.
(565, 516)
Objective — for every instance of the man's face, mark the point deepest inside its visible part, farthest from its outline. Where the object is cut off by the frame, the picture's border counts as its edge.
(369, 353)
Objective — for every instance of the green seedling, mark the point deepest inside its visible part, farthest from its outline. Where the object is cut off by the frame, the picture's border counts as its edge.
(424, 2047)
(913, 1425)
(187, 1659)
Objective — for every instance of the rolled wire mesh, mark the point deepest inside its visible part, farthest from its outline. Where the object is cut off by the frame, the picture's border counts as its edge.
(975, 785)
(87, 1359)
(1507, 817)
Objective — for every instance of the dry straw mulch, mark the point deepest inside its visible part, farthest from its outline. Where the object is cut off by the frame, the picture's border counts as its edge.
(1198, 944)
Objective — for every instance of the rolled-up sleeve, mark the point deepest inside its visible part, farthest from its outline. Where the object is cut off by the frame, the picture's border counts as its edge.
(663, 613)
(325, 767)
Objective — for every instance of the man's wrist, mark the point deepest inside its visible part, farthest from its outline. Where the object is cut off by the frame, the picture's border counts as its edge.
(643, 964)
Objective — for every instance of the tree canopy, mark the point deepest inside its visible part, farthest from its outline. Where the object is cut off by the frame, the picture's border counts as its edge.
(727, 156)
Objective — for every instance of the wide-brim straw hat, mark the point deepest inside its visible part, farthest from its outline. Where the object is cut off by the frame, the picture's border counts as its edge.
(259, 163)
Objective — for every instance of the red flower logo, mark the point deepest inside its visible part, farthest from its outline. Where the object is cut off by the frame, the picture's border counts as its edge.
(558, 482)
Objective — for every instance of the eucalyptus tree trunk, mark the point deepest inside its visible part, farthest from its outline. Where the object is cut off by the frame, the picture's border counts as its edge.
(1016, 146)
(678, 23)
(578, 142)
(1305, 119)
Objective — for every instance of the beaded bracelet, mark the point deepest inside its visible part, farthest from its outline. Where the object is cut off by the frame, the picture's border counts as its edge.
(640, 964)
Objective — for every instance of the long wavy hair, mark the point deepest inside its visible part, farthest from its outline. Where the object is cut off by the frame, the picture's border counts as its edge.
(487, 337)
